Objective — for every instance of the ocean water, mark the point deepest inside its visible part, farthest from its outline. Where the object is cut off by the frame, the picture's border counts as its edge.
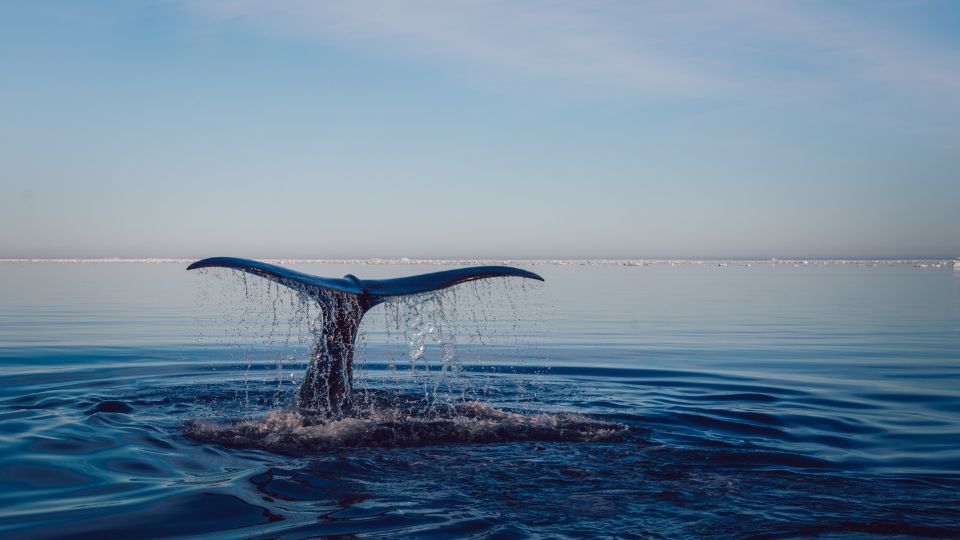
(662, 401)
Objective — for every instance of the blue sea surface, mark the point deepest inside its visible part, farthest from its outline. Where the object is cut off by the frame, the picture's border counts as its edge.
(662, 401)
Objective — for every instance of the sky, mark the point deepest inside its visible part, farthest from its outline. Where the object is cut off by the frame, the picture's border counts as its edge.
(438, 129)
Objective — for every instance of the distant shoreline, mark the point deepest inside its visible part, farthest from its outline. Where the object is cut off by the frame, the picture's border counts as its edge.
(931, 262)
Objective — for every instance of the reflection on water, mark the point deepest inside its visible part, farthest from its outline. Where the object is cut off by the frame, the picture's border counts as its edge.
(767, 402)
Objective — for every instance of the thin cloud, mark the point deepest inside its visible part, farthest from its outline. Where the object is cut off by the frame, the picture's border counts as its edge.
(699, 49)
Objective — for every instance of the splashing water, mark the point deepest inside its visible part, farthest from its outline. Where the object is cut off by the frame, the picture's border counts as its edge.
(423, 365)
(392, 421)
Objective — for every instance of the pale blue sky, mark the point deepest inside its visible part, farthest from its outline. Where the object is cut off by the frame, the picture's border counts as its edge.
(261, 128)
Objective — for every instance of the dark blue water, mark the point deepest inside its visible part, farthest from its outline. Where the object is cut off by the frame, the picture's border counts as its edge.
(638, 402)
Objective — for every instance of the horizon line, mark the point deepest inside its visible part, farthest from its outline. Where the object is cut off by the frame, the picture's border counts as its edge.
(559, 261)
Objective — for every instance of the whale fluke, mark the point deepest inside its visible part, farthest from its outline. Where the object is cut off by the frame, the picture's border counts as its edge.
(374, 287)
(284, 276)
(327, 385)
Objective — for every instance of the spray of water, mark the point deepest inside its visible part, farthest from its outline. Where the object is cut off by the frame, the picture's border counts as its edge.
(427, 369)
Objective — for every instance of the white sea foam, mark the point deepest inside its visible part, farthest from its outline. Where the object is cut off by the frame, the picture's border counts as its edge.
(402, 424)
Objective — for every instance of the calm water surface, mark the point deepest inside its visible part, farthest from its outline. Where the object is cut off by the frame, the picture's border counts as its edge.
(741, 402)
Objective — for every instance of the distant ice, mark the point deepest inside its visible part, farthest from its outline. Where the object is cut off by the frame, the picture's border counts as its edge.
(747, 263)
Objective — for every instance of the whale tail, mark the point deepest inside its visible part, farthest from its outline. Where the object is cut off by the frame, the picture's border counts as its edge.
(327, 385)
